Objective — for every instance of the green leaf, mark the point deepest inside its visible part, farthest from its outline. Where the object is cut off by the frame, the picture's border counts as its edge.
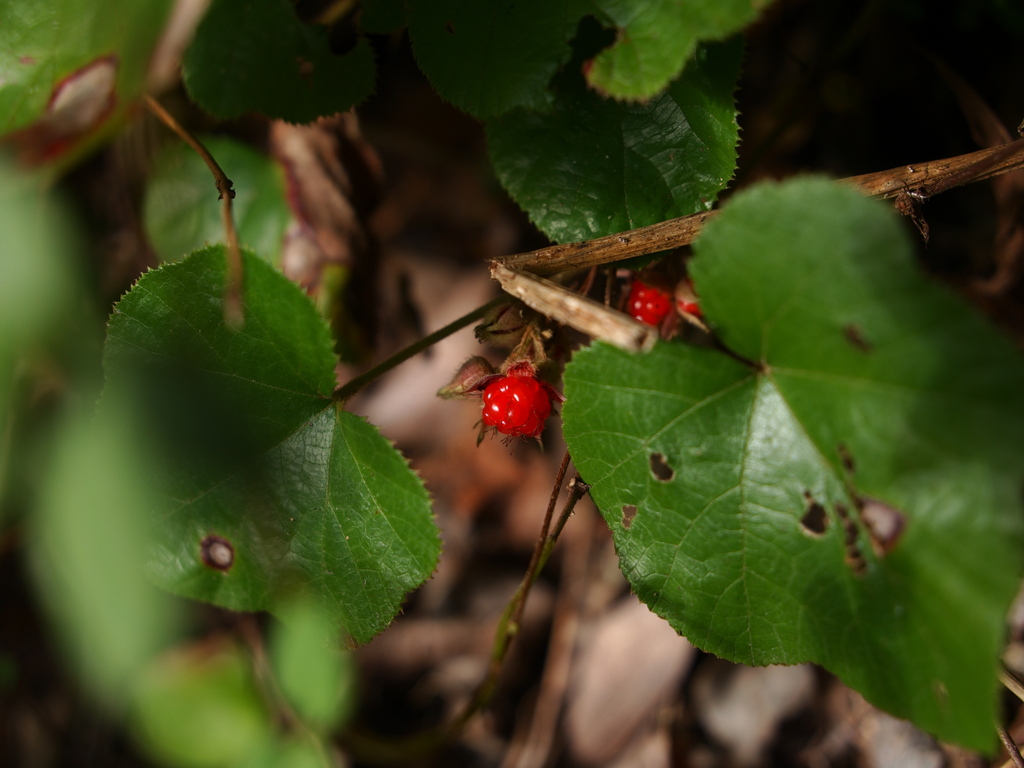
(42, 42)
(270, 486)
(258, 57)
(88, 545)
(182, 211)
(657, 37)
(490, 56)
(748, 502)
(313, 673)
(200, 709)
(595, 167)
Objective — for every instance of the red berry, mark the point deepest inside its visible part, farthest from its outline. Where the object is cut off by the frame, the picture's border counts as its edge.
(648, 304)
(517, 406)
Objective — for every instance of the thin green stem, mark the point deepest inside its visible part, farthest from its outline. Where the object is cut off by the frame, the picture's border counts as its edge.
(351, 387)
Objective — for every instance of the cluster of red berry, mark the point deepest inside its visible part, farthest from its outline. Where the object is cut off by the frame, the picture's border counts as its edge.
(515, 401)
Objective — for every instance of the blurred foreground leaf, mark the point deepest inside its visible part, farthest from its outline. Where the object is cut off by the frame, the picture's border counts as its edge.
(199, 708)
(90, 538)
(68, 66)
(35, 286)
(313, 673)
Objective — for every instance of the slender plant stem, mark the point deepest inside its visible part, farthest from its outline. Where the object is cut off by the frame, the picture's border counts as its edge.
(577, 490)
(234, 313)
(533, 569)
(373, 749)
(351, 387)
(509, 624)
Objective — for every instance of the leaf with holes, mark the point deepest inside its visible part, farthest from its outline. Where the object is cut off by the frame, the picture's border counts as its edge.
(69, 67)
(655, 39)
(491, 56)
(851, 496)
(269, 487)
(182, 212)
(258, 57)
(594, 167)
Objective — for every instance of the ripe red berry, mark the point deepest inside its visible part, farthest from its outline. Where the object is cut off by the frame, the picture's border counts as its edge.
(517, 406)
(648, 304)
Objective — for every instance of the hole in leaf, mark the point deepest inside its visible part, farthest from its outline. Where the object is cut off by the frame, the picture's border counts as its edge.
(852, 554)
(847, 458)
(815, 519)
(628, 513)
(217, 553)
(660, 468)
(885, 524)
(855, 336)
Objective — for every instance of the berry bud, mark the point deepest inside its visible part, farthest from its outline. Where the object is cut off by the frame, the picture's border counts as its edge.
(503, 326)
(469, 378)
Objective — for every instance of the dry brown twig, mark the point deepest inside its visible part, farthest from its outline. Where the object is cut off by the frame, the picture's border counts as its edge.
(519, 273)
(919, 181)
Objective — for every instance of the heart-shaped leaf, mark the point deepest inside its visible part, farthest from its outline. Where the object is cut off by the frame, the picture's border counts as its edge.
(851, 496)
(270, 487)
(258, 57)
(595, 167)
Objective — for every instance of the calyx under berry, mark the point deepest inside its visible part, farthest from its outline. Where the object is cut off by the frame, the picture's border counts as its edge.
(468, 378)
